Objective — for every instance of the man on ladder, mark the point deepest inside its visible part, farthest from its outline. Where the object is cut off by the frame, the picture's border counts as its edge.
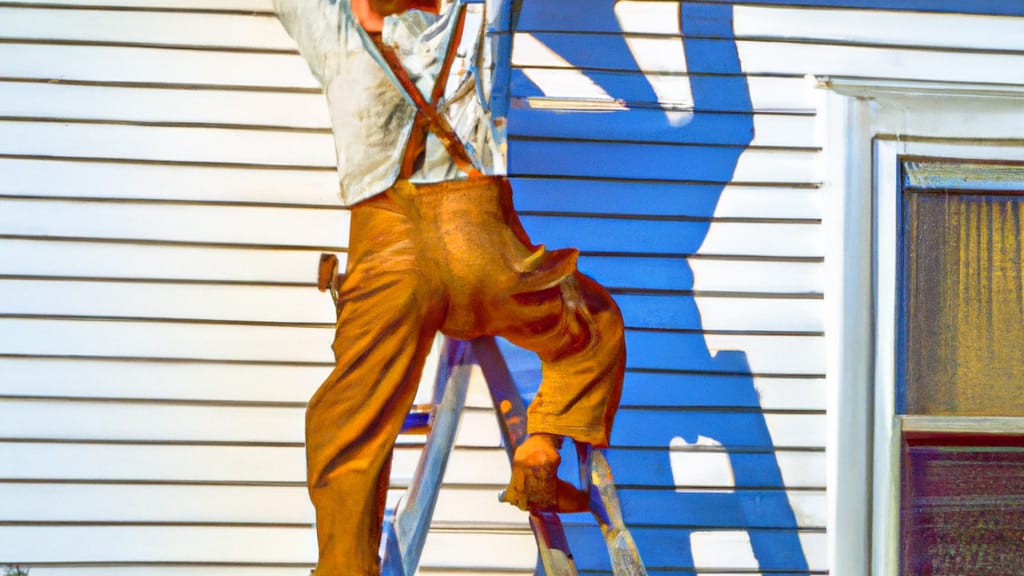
(435, 245)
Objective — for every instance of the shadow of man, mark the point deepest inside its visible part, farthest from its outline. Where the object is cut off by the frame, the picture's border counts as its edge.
(672, 169)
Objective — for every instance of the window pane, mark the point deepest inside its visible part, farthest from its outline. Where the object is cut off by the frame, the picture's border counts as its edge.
(963, 508)
(963, 298)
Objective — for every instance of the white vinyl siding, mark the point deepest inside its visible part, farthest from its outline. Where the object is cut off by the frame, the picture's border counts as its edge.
(779, 48)
(167, 186)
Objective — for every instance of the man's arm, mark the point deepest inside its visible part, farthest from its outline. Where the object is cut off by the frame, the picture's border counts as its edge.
(314, 26)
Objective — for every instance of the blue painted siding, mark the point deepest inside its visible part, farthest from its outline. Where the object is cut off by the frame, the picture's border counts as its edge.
(629, 85)
(989, 7)
(656, 185)
(640, 197)
(634, 468)
(718, 129)
(587, 15)
(618, 235)
(583, 159)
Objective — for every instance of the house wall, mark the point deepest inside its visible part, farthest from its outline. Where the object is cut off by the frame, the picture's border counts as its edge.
(673, 167)
(168, 185)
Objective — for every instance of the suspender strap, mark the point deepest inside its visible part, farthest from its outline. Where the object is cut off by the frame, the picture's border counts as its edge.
(428, 117)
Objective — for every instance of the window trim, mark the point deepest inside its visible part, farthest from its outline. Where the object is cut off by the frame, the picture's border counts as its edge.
(869, 124)
(889, 425)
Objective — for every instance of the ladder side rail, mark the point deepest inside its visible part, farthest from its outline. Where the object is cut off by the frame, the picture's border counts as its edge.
(414, 513)
(508, 403)
(391, 561)
(596, 478)
(552, 545)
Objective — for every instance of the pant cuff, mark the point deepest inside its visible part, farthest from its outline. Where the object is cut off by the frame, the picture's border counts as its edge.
(593, 435)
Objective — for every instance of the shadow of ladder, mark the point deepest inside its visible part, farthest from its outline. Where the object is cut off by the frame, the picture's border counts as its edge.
(407, 524)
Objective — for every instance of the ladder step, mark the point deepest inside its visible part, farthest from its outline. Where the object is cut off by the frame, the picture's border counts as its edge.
(418, 420)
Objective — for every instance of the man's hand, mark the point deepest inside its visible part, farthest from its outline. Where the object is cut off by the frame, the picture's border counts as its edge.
(535, 485)
(371, 13)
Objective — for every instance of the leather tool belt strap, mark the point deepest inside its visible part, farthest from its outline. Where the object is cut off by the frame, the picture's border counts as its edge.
(428, 117)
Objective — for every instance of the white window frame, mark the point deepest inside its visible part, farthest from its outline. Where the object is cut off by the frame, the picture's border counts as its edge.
(870, 125)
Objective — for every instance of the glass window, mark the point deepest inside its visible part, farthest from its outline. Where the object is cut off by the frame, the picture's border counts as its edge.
(964, 289)
(962, 511)
(961, 374)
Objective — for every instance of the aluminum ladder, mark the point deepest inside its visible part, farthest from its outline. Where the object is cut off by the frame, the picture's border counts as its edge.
(406, 527)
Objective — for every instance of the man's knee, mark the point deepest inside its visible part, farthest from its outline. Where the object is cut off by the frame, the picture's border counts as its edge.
(592, 303)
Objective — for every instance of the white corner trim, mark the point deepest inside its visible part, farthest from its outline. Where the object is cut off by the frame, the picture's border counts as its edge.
(885, 500)
(870, 123)
(848, 296)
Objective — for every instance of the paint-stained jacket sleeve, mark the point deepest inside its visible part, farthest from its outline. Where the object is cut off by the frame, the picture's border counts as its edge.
(317, 27)
(371, 117)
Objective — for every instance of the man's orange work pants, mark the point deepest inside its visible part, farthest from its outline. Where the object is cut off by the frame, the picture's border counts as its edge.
(452, 257)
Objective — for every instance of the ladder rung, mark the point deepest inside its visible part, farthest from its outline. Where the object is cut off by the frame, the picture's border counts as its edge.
(418, 420)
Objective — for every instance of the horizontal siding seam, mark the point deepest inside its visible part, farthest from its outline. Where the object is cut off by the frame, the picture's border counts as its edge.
(163, 564)
(881, 45)
(711, 488)
(169, 360)
(780, 295)
(341, 249)
(298, 484)
(193, 243)
(163, 86)
(717, 409)
(329, 325)
(732, 448)
(667, 217)
(612, 288)
(807, 184)
(705, 528)
(705, 256)
(155, 401)
(148, 442)
(646, 105)
(708, 184)
(140, 482)
(312, 364)
(168, 280)
(113, 7)
(751, 449)
(724, 332)
(147, 162)
(632, 72)
(150, 524)
(150, 46)
(751, 374)
(179, 202)
(780, 40)
(853, 5)
(165, 124)
(638, 142)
